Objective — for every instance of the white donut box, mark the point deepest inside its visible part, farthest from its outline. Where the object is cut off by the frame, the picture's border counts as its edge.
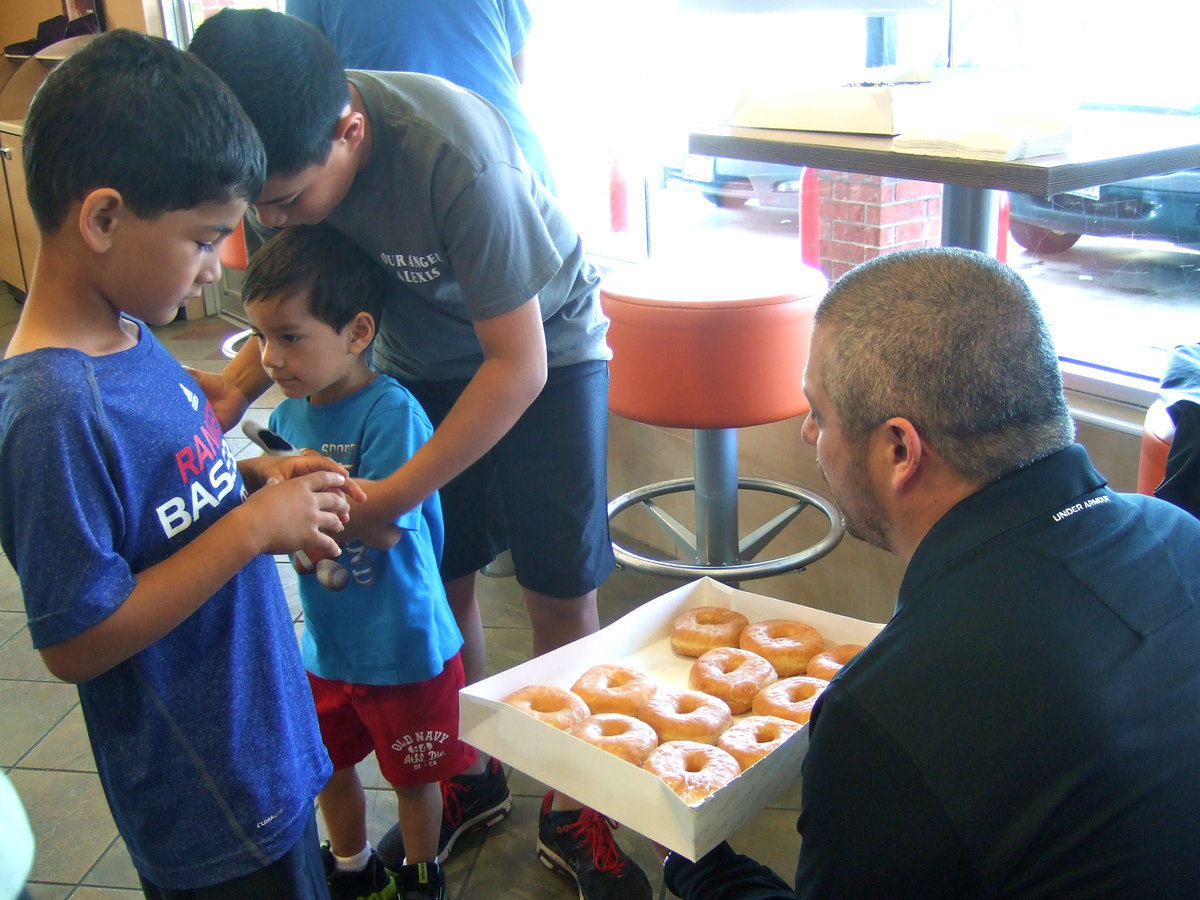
(619, 790)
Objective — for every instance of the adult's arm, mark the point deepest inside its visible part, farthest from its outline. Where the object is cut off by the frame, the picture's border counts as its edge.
(511, 376)
(722, 874)
(871, 823)
(234, 388)
(517, 22)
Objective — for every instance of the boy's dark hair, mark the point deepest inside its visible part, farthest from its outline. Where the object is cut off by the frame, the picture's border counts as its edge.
(287, 76)
(339, 278)
(138, 115)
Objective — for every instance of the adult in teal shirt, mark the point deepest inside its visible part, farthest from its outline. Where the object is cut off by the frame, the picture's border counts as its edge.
(477, 44)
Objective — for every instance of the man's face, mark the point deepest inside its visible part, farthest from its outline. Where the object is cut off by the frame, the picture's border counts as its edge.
(843, 464)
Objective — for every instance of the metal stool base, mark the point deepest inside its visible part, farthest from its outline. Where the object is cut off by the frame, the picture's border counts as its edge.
(746, 568)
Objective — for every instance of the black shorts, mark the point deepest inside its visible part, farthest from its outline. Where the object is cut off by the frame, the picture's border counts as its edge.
(541, 492)
(298, 875)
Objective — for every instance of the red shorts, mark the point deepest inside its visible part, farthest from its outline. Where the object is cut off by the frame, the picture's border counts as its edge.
(413, 728)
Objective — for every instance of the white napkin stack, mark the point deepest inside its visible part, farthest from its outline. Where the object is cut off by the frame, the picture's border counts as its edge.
(997, 136)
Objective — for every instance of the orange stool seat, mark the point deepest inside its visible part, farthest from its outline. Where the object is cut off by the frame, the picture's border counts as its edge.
(713, 348)
(699, 352)
(1157, 433)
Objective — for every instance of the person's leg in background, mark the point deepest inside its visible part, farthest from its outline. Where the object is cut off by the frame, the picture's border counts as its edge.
(553, 471)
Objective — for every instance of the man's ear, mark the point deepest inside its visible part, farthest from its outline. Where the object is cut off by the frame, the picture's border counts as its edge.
(904, 451)
(361, 330)
(100, 215)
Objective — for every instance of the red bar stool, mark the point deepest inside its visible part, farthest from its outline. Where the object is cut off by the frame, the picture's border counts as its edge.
(697, 348)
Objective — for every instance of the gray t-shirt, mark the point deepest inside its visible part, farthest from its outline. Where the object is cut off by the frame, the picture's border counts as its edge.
(448, 205)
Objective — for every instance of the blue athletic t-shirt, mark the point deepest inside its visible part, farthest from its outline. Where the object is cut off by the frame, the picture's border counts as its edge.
(391, 624)
(206, 741)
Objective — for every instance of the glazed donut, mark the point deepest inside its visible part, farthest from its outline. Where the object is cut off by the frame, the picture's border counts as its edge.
(829, 662)
(553, 705)
(784, 643)
(754, 737)
(732, 675)
(614, 689)
(691, 770)
(705, 628)
(686, 716)
(623, 736)
(789, 698)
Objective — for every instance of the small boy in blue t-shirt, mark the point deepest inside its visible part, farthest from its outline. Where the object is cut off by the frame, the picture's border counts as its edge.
(380, 643)
(146, 569)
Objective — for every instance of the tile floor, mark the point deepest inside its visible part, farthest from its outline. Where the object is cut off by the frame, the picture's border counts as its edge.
(44, 748)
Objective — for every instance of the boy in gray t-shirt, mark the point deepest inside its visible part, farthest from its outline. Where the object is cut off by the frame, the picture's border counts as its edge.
(493, 322)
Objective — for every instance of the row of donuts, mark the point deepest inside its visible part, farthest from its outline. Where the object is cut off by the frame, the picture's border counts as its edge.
(790, 646)
(776, 667)
(684, 737)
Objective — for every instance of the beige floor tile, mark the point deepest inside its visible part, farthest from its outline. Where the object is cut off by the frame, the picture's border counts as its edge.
(65, 749)
(71, 822)
(10, 624)
(10, 588)
(505, 648)
(50, 891)
(29, 709)
(114, 869)
(20, 662)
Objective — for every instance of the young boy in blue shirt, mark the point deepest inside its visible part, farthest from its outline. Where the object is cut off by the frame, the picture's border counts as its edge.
(145, 567)
(380, 643)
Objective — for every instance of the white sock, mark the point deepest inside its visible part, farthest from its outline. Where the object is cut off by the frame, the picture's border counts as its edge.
(355, 863)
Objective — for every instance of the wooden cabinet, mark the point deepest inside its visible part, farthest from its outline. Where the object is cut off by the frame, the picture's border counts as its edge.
(19, 237)
(19, 240)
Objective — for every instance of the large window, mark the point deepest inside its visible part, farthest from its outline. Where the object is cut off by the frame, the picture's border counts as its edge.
(615, 86)
(182, 16)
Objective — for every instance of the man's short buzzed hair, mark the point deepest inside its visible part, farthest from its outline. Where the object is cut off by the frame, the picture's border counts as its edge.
(955, 342)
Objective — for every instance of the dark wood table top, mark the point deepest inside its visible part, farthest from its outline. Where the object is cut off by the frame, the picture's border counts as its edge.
(1105, 147)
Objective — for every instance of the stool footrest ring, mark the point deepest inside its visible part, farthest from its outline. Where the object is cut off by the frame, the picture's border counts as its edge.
(748, 568)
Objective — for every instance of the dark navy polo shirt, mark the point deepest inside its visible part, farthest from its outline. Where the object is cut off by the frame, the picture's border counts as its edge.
(1026, 725)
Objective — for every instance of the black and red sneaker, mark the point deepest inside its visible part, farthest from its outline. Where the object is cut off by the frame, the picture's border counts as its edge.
(579, 844)
(468, 802)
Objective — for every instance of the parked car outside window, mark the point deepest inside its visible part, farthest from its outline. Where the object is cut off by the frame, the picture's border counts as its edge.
(1157, 207)
(734, 182)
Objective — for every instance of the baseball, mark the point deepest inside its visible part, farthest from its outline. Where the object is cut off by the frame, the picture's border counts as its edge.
(332, 575)
(302, 564)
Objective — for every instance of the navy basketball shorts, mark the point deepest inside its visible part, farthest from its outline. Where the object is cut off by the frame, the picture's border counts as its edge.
(541, 492)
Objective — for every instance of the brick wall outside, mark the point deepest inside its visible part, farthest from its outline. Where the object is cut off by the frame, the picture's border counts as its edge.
(863, 216)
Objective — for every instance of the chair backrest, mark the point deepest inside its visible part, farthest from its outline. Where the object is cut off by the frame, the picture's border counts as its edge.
(233, 249)
(1158, 431)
